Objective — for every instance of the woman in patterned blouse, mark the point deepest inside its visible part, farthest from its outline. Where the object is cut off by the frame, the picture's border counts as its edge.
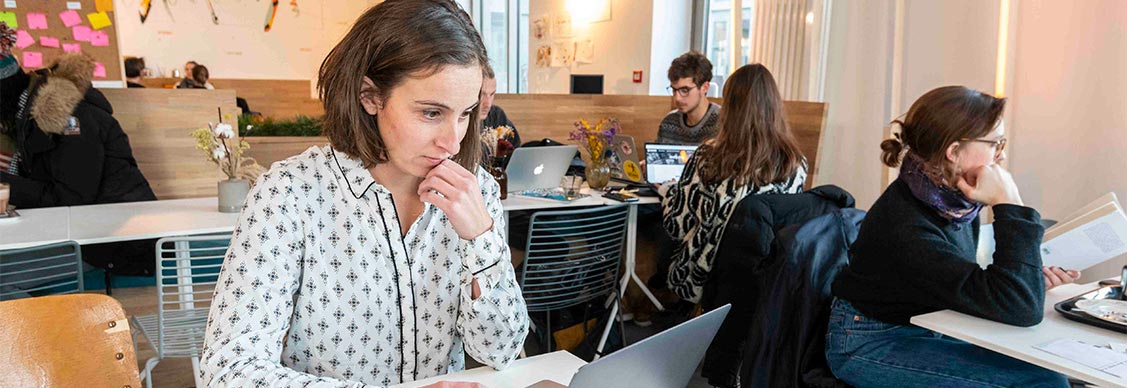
(377, 259)
(753, 153)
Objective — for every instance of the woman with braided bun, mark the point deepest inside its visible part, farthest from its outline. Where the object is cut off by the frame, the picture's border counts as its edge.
(915, 254)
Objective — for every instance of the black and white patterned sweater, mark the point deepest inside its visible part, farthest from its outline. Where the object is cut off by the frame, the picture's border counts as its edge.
(695, 215)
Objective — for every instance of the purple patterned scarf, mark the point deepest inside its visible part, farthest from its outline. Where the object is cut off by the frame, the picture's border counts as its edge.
(929, 187)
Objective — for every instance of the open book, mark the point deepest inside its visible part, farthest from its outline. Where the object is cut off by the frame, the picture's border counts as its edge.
(1091, 235)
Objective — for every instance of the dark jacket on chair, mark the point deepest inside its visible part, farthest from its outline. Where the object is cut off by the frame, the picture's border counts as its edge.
(744, 267)
(786, 342)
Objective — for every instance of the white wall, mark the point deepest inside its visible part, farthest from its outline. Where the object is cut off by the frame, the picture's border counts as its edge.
(1069, 107)
(622, 44)
(857, 84)
(238, 47)
(672, 30)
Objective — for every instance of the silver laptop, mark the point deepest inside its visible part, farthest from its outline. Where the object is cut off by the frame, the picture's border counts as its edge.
(538, 167)
(624, 162)
(664, 360)
(664, 162)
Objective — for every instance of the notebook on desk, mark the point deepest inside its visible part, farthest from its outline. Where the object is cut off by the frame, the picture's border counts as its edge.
(664, 360)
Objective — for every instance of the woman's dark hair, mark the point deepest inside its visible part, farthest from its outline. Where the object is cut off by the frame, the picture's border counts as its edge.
(200, 75)
(134, 66)
(938, 118)
(754, 144)
(388, 43)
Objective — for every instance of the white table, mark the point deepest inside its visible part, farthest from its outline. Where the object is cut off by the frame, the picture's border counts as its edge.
(35, 227)
(557, 366)
(1018, 342)
(92, 224)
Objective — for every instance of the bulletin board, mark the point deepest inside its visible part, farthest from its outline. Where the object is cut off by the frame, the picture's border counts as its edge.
(48, 28)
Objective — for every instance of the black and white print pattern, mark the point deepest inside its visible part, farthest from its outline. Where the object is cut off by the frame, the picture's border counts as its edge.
(695, 215)
(318, 289)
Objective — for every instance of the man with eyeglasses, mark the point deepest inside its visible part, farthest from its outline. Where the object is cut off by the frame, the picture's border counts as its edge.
(695, 119)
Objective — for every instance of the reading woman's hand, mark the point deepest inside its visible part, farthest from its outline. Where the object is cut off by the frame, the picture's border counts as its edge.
(1055, 276)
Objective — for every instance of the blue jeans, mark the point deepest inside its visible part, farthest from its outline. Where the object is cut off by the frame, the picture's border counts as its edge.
(865, 352)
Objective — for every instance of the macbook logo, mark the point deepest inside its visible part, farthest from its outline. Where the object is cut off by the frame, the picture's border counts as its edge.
(539, 169)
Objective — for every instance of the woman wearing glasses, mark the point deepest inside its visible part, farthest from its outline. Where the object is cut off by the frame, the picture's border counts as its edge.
(915, 254)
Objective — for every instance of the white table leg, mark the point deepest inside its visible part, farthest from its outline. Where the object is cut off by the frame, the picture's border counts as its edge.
(631, 249)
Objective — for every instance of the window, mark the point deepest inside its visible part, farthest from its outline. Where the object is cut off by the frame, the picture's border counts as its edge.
(718, 45)
(503, 25)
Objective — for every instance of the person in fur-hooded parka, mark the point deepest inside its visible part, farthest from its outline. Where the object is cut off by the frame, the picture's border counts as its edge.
(71, 151)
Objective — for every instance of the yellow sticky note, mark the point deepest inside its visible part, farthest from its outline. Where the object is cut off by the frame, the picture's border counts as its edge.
(10, 18)
(104, 5)
(98, 20)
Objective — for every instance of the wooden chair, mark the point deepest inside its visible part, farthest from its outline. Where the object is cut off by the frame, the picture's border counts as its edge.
(79, 340)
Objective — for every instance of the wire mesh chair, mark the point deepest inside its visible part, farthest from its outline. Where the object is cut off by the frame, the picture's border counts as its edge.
(50, 269)
(187, 270)
(572, 257)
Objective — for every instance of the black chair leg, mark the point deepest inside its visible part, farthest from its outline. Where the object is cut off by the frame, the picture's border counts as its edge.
(109, 282)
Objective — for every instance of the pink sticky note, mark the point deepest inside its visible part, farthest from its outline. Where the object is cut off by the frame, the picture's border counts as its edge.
(81, 33)
(99, 38)
(32, 60)
(23, 39)
(72, 48)
(99, 70)
(70, 18)
(47, 41)
(36, 21)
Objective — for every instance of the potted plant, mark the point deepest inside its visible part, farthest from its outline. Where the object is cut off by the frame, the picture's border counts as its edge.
(218, 142)
(495, 149)
(596, 142)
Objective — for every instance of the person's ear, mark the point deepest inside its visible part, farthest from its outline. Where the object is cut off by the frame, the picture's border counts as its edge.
(704, 88)
(952, 152)
(370, 97)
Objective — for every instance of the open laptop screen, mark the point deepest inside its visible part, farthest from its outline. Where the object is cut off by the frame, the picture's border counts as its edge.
(664, 162)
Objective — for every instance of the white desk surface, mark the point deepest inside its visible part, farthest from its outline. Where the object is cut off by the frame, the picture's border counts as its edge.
(35, 227)
(1017, 342)
(93, 224)
(520, 202)
(558, 366)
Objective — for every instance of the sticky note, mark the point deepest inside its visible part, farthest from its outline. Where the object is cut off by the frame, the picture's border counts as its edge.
(72, 48)
(36, 21)
(81, 33)
(99, 70)
(98, 20)
(10, 18)
(70, 18)
(103, 5)
(47, 41)
(32, 59)
(74, 5)
(99, 39)
(23, 39)
(9, 3)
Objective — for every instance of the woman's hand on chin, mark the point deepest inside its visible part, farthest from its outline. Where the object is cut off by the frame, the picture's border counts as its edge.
(993, 185)
(455, 190)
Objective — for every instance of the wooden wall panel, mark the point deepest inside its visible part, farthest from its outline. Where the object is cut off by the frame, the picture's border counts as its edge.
(159, 123)
(159, 120)
(279, 99)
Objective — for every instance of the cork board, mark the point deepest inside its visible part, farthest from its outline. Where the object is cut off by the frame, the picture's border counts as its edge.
(33, 30)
